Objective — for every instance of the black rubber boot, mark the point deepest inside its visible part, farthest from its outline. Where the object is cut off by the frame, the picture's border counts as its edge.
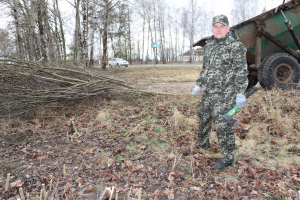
(221, 165)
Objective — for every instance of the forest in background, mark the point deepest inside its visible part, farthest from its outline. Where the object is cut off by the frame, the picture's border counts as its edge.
(109, 28)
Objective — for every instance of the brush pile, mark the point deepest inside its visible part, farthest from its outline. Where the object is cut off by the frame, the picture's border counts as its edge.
(26, 85)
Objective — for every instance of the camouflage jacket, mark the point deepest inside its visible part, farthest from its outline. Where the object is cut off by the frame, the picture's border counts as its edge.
(224, 65)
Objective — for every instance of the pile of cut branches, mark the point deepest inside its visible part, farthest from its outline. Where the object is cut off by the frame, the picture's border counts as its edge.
(26, 85)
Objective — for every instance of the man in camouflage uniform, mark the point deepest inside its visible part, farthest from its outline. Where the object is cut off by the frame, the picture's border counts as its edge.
(224, 78)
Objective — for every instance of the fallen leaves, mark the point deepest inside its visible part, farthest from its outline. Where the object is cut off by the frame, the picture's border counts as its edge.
(169, 193)
(113, 153)
(194, 188)
(89, 151)
(80, 181)
(16, 184)
(151, 133)
(128, 163)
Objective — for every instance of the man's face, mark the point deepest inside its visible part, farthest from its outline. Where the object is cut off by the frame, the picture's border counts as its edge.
(220, 30)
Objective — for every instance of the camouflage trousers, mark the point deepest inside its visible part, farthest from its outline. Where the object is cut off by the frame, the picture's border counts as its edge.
(212, 107)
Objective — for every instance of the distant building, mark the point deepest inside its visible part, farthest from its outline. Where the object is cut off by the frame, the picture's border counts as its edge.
(185, 57)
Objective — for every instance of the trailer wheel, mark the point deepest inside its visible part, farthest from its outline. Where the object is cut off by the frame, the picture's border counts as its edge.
(280, 70)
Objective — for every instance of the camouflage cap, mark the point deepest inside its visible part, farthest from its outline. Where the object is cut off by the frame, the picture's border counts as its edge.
(221, 19)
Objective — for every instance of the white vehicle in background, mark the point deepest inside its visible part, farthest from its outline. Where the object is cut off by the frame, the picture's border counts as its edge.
(118, 62)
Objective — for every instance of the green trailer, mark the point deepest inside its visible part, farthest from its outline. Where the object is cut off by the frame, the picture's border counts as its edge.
(272, 43)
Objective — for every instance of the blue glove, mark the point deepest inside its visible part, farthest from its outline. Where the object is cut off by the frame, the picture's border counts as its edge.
(240, 100)
(196, 90)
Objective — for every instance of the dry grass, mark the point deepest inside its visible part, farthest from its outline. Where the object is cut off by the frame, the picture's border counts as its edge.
(177, 119)
(273, 137)
(104, 117)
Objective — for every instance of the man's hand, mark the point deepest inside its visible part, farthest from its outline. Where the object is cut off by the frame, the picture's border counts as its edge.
(240, 100)
(196, 90)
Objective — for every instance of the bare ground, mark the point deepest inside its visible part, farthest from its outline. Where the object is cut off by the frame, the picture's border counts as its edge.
(173, 88)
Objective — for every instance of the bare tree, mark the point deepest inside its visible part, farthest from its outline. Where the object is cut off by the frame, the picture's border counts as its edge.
(6, 43)
(129, 34)
(140, 7)
(76, 33)
(174, 28)
(190, 23)
(245, 9)
(84, 52)
(41, 27)
(16, 4)
(32, 34)
(161, 29)
(92, 32)
(48, 32)
(107, 8)
(60, 34)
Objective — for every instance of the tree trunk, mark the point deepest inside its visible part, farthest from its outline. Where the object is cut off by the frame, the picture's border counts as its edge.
(162, 35)
(105, 30)
(129, 36)
(163, 45)
(62, 34)
(154, 27)
(48, 31)
(38, 51)
(84, 32)
(176, 41)
(91, 63)
(143, 47)
(18, 31)
(56, 33)
(150, 35)
(76, 38)
(32, 26)
(40, 20)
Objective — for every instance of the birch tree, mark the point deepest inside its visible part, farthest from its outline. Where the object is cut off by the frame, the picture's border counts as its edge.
(6, 43)
(59, 30)
(161, 29)
(76, 32)
(32, 34)
(107, 8)
(49, 36)
(92, 31)
(84, 52)
(245, 9)
(140, 7)
(128, 22)
(41, 27)
(190, 23)
(16, 11)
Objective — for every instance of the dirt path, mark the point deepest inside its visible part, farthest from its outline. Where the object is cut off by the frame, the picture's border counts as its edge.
(181, 88)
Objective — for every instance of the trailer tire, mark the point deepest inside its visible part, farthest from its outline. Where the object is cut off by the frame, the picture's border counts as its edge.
(279, 70)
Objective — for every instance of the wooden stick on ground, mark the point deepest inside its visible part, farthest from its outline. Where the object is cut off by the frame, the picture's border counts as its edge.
(7, 182)
(140, 194)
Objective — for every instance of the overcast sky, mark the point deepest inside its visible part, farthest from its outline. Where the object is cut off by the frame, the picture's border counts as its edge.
(217, 6)
(222, 6)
